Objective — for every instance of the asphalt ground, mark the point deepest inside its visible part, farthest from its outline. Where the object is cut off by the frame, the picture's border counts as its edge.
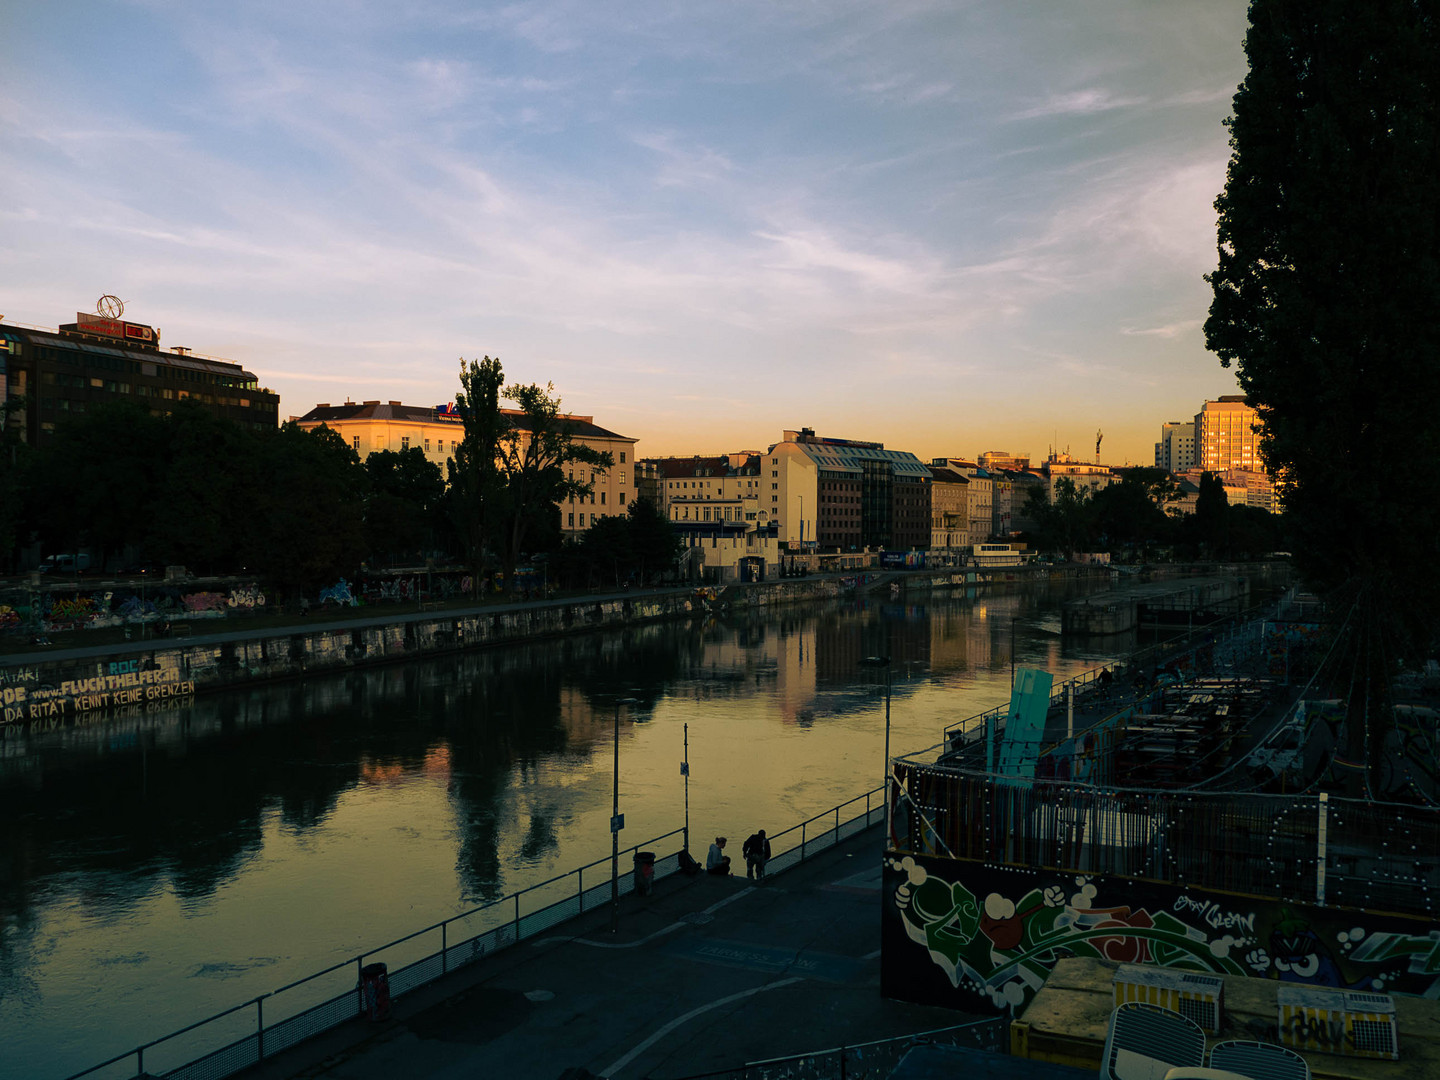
(705, 974)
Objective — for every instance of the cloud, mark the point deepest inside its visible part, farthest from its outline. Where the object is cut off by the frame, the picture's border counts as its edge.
(1078, 103)
(1170, 330)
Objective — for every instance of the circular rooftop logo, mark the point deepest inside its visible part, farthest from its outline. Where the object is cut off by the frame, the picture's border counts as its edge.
(112, 307)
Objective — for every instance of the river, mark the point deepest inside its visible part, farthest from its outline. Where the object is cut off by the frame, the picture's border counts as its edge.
(157, 869)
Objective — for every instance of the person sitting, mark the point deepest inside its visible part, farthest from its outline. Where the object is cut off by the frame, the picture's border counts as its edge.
(717, 862)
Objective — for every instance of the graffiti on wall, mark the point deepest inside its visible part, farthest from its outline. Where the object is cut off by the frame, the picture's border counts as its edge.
(993, 934)
(113, 685)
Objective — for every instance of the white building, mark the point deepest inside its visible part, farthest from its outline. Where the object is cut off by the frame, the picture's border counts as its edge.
(1175, 452)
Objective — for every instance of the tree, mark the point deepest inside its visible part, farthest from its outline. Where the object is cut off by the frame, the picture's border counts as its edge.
(1327, 299)
(1064, 524)
(538, 465)
(96, 484)
(311, 526)
(210, 491)
(1327, 292)
(402, 508)
(653, 540)
(1130, 515)
(479, 495)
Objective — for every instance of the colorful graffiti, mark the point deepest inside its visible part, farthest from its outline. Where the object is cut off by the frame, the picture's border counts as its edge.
(995, 933)
(203, 601)
(340, 594)
(246, 596)
(9, 617)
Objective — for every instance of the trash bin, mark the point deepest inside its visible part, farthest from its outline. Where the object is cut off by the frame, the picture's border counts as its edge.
(375, 991)
(644, 872)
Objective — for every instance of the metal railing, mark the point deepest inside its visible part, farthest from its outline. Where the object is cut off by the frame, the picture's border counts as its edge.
(246, 1034)
(870, 1060)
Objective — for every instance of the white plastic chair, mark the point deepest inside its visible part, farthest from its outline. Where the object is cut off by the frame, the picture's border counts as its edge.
(1146, 1041)
(1259, 1060)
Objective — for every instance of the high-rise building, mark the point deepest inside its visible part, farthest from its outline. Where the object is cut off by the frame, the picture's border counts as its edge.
(1227, 436)
(1175, 452)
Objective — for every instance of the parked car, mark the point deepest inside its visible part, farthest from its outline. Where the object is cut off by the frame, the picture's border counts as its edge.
(66, 564)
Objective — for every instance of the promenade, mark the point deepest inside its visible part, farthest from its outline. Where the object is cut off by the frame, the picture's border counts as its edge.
(703, 975)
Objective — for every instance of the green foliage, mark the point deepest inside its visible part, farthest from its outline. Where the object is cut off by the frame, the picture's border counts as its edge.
(538, 465)
(1128, 517)
(479, 495)
(640, 547)
(1064, 525)
(404, 504)
(1327, 292)
(97, 481)
(311, 527)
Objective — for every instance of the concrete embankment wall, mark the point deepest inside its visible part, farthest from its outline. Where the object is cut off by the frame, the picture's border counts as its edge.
(223, 656)
(38, 686)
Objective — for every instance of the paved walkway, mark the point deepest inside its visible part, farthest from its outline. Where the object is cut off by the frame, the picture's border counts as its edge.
(705, 974)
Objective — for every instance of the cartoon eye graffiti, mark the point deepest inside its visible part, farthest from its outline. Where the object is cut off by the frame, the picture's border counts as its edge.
(1304, 967)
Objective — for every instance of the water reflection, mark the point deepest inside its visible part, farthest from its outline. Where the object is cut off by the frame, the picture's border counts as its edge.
(193, 857)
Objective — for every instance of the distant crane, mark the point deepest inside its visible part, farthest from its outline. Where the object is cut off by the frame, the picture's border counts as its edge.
(1098, 436)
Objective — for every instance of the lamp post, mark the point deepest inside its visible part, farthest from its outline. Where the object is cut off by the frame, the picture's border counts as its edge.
(617, 822)
(884, 661)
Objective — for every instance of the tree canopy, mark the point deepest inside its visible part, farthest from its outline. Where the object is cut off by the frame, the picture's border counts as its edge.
(1327, 291)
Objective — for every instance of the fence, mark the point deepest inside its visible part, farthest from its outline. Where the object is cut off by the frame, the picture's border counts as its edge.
(1374, 855)
(222, 1045)
(871, 1060)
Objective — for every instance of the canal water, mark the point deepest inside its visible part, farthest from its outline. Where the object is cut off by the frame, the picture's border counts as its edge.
(158, 868)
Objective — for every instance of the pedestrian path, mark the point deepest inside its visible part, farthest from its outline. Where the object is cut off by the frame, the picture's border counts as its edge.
(705, 974)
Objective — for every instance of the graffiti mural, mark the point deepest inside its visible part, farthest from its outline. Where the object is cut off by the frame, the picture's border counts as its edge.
(340, 594)
(112, 685)
(247, 596)
(971, 936)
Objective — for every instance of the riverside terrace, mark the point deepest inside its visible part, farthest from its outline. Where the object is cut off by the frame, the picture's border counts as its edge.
(1179, 812)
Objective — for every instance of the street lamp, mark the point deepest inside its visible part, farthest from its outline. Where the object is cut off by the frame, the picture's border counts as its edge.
(884, 661)
(617, 822)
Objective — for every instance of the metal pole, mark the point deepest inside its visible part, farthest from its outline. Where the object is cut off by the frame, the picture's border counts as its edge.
(886, 786)
(686, 771)
(615, 834)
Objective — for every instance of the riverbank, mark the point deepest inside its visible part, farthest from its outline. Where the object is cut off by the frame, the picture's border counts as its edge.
(54, 682)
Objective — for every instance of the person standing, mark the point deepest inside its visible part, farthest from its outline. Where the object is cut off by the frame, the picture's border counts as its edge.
(757, 853)
(717, 862)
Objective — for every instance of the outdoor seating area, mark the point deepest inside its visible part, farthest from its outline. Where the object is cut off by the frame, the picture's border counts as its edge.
(1080, 1019)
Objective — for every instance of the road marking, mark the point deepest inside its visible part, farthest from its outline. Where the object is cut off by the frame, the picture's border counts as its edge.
(664, 929)
(668, 1028)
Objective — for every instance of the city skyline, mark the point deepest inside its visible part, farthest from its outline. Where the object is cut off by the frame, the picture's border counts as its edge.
(947, 228)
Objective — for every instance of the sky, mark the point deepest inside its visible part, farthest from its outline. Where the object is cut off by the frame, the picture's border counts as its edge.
(947, 226)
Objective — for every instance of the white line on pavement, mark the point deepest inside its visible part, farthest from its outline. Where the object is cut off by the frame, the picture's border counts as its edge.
(668, 1028)
(663, 930)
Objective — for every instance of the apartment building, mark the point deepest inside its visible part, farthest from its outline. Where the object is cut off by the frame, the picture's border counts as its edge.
(867, 496)
(371, 426)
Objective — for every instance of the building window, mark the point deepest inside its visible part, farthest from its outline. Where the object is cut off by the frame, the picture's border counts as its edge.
(404, 442)
(622, 477)
(622, 457)
(602, 498)
(572, 521)
(427, 446)
(356, 441)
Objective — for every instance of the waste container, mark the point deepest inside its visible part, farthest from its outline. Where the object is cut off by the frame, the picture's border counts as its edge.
(375, 991)
(644, 872)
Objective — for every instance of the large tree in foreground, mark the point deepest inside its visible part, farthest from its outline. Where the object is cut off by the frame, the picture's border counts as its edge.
(1327, 298)
(1327, 294)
